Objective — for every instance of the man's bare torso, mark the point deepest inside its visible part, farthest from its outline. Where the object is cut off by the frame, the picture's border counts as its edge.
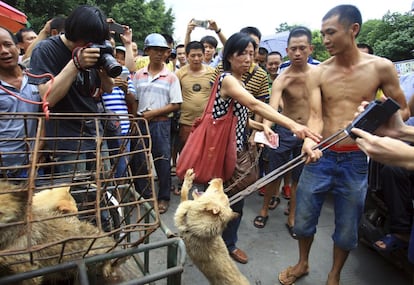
(343, 89)
(295, 94)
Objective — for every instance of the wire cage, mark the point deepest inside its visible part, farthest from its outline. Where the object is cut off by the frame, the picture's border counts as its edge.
(42, 226)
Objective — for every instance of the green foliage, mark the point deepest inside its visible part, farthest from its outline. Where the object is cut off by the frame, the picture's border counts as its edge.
(144, 17)
(392, 37)
(319, 51)
(284, 27)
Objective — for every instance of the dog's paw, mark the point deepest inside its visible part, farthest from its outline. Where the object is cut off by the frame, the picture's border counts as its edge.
(189, 175)
(189, 178)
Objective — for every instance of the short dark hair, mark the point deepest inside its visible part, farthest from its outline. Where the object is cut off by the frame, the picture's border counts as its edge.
(209, 40)
(348, 15)
(263, 50)
(275, 52)
(368, 47)
(19, 34)
(58, 24)
(194, 45)
(87, 23)
(180, 46)
(300, 31)
(237, 43)
(168, 38)
(252, 31)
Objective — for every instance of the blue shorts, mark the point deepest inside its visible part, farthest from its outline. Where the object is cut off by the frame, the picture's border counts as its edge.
(289, 147)
(344, 174)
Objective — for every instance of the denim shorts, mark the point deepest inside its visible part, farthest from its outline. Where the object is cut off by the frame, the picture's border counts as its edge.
(344, 175)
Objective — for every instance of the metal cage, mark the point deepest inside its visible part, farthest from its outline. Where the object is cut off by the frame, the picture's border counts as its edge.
(98, 165)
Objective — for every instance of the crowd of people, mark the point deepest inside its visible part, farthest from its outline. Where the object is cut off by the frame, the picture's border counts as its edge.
(302, 100)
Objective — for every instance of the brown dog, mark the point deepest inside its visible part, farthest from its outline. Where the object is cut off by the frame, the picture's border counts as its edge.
(201, 223)
(53, 238)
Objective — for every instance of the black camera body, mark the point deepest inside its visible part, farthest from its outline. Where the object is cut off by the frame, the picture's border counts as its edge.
(374, 115)
(107, 60)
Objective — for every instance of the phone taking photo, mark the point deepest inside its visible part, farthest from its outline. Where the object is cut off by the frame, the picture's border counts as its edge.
(201, 23)
(117, 28)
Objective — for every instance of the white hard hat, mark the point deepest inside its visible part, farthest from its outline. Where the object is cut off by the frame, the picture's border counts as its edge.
(155, 40)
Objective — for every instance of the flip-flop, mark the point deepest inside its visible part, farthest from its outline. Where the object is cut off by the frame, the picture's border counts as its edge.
(287, 278)
(260, 221)
(274, 202)
(391, 243)
(290, 229)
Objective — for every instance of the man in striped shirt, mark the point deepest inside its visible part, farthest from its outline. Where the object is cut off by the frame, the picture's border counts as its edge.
(158, 95)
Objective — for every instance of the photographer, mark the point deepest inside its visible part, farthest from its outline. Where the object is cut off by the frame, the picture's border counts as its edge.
(80, 71)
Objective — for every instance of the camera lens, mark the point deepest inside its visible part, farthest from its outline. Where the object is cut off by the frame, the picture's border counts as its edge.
(111, 66)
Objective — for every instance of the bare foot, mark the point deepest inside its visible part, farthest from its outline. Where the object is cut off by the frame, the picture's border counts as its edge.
(332, 279)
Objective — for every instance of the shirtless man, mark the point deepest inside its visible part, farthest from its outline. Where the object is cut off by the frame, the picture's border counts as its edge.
(291, 87)
(337, 87)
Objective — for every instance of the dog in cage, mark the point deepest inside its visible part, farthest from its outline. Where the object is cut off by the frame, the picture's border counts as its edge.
(54, 236)
(201, 222)
(57, 199)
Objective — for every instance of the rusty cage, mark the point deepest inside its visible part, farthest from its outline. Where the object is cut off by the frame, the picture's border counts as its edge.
(97, 168)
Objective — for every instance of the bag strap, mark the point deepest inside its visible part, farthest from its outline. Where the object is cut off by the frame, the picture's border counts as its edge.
(212, 98)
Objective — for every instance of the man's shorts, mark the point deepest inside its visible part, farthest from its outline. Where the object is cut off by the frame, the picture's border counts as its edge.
(289, 147)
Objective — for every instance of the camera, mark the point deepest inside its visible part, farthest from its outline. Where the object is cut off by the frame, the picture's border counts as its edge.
(201, 23)
(107, 60)
(375, 114)
(173, 54)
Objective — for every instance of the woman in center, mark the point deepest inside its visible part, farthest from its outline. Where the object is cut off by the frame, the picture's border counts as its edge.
(238, 55)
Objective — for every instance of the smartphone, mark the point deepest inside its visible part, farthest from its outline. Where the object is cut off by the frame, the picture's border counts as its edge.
(201, 23)
(124, 75)
(117, 28)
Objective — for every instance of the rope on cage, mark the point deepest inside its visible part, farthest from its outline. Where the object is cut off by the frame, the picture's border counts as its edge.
(44, 103)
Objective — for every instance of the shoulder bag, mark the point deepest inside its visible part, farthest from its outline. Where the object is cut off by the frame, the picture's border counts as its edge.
(211, 146)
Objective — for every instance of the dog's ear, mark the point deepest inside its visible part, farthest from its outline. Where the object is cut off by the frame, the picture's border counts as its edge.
(212, 208)
(66, 207)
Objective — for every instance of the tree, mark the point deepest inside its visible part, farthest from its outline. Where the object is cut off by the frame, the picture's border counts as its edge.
(283, 27)
(319, 51)
(144, 17)
(392, 37)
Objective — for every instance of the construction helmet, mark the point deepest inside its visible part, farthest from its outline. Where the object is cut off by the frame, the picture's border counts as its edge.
(155, 40)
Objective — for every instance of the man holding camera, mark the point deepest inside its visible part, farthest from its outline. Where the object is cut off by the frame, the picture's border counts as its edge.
(80, 73)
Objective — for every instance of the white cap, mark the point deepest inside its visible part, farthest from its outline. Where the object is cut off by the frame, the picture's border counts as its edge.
(121, 48)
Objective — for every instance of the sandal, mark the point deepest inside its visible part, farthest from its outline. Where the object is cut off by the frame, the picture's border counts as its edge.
(390, 243)
(286, 277)
(163, 206)
(274, 202)
(260, 221)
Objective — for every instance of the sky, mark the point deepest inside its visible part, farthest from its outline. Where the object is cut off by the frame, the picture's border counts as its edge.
(267, 15)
